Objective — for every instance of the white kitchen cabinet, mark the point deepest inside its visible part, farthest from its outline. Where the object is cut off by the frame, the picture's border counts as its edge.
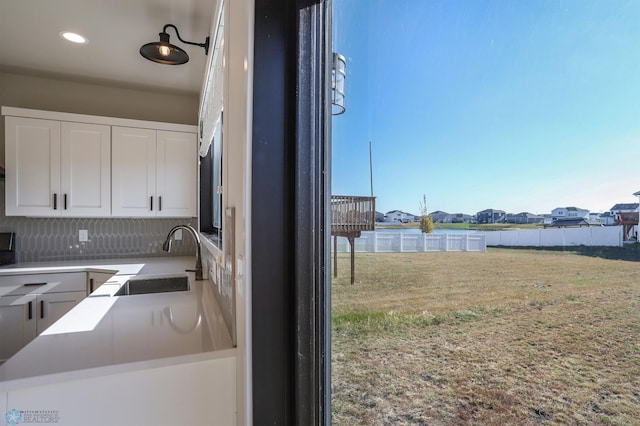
(176, 173)
(17, 323)
(96, 279)
(85, 175)
(30, 303)
(51, 307)
(153, 173)
(57, 168)
(32, 166)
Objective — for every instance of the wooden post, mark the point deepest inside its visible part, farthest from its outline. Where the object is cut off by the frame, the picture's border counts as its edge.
(353, 259)
(335, 256)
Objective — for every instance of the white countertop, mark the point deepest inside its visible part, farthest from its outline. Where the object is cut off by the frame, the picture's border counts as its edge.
(110, 330)
(127, 266)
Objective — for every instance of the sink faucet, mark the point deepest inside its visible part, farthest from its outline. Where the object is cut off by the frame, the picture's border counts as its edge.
(167, 247)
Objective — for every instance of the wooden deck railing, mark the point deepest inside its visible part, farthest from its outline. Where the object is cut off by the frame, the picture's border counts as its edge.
(352, 214)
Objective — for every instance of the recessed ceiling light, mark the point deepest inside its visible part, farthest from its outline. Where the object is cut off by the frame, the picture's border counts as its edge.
(73, 37)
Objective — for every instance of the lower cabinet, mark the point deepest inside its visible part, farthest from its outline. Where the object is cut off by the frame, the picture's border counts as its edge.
(52, 306)
(17, 323)
(29, 304)
(96, 279)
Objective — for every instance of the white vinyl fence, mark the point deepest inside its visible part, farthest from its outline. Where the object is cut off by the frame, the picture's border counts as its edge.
(588, 236)
(379, 242)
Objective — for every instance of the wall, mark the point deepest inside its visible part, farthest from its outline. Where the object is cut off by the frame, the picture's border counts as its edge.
(57, 239)
(56, 94)
(237, 127)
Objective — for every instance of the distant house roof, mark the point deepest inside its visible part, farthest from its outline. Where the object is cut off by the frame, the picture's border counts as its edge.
(607, 214)
(574, 209)
(528, 215)
(439, 212)
(571, 209)
(573, 221)
(625, 206)
(491, 211)
(399, 211)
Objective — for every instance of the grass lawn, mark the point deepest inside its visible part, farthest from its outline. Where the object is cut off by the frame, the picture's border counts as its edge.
(506, 337)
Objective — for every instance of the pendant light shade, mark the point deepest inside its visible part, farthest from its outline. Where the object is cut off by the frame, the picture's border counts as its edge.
(163, 52)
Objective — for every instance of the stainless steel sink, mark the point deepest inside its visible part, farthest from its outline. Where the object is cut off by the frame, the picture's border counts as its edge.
(146, 285)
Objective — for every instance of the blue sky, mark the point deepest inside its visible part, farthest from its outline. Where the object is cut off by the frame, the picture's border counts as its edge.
(514, 105)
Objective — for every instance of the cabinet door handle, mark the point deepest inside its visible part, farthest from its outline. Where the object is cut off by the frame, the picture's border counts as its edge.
(55, 201)
(42, 309)
(33, 284)
(160, 203)
(152, 202)
(65, 201)
(90, 285)
(30, 310)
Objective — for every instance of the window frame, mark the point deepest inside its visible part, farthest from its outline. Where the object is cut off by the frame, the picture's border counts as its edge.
(290, 181)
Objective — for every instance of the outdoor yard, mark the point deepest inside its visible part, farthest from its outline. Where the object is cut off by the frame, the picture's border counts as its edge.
(506, 337)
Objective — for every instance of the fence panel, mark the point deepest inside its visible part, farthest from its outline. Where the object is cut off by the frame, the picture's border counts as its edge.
(557, 237)
(435, 242)
(396, 242)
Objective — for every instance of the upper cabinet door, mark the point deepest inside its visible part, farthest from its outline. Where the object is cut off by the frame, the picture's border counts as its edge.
(86, 170)
(32, 167)
(133, 173)
(176, 178)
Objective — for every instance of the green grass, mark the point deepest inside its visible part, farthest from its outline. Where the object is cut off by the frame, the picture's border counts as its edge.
(504, 337)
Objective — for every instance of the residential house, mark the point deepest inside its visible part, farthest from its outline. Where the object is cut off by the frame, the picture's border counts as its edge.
(607, 218)
(523, 218)
(569, 212)
(490, 216)
(594, 217)
(400, 216)
(438, 216)
(624, 208)
(571, 222)
(627, 215)
(612, 216)
(458, 218)
(379, 216)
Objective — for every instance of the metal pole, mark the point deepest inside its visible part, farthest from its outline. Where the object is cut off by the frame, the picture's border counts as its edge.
(371, 167)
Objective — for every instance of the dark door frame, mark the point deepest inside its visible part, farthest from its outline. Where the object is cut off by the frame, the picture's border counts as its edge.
(290, 235)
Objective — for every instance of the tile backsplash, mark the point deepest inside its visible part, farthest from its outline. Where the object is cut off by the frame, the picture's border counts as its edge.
(43, 239)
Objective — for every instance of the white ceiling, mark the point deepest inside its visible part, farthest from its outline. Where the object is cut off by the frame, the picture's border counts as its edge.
(116, 29)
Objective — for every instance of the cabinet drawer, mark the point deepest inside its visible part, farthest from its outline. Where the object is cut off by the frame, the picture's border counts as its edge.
(15, 285)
